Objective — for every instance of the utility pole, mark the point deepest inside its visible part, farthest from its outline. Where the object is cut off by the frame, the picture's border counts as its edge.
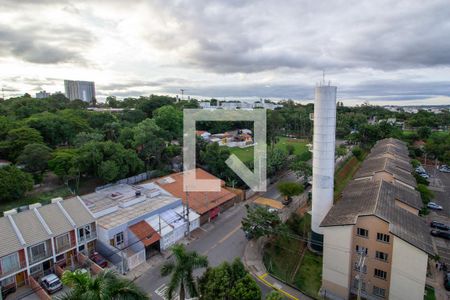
(362, 259)
(187, 216)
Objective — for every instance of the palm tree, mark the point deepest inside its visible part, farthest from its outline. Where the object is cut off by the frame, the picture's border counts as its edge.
(104, 286)
(181, 270)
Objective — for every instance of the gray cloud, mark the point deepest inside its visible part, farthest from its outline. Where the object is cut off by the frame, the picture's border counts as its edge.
(44, 45)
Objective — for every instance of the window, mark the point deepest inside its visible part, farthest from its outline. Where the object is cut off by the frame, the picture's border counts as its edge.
(356, 284)
(9, 263)
(360, 249)
(381, 256)
(8, 281)
(379, 292)
(357, 268)
(36, 269)
(117, 240)
(60, 257)
(381, 237)
(62, 242)
(38, 252)
(362, 232)
(380, 274)
(84, 232)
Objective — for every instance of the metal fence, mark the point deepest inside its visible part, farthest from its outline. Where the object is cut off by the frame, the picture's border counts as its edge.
(131, 180)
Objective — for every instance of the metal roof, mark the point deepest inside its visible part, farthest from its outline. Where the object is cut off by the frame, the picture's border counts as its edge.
(9, 242)
(77, 211)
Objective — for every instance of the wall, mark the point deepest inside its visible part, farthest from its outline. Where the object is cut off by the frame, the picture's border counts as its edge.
(409, 268)
(336, 261)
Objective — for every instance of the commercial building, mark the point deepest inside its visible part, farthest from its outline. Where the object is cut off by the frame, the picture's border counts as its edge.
(33, 241)
(134, 222)
(207, 204)
(82, 90)
(42, 95)
(375, 244)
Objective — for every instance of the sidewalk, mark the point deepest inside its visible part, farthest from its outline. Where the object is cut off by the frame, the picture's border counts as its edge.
(253, 262)
(436, 280)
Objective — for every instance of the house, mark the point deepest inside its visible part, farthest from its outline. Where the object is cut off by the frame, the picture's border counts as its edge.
(126, 233)
(206, 204)
(374, 240)
(33, 241)
(203, 134)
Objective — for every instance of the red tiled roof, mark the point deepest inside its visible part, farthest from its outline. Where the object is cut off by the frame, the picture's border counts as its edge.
(200, 202)
(145, 233)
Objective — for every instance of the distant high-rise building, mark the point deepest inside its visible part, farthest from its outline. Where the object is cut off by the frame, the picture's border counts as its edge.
(83, 90)
(42, 95)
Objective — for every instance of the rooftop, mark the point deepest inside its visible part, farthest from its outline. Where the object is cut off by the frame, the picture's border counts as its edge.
(122, 203)
(378, 199)
(201, 202)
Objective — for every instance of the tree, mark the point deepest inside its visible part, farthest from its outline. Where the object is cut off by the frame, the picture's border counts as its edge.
(275, 122)
(276, 161)
(302, 169)
(17, 139)
(14, 183)
(214, 158)
(246, 289)
(341, 150)
(104, 286)
(65, 165)
(289, 189)
(34, 158)
(169, 119)
(424, 132)
(181, 271)
(219, 282)
(274, 296)
(260, 221)
(86, 137)
(290, 149)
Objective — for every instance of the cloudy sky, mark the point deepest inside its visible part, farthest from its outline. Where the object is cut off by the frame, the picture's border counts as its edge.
(386, 52)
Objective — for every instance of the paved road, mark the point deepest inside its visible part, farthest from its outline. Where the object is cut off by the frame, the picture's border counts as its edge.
(221, 240)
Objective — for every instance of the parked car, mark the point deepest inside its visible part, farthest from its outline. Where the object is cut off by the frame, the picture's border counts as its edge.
(435, 206)
(51, 283)
(99, 260)
(439, 225)
(441, 234)
(424, 175)
(420, 170)
(445, 169)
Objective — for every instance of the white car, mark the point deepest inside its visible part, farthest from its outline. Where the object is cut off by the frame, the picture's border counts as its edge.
(433, 205)
(424, 175)
(51, 283)
(444, 169)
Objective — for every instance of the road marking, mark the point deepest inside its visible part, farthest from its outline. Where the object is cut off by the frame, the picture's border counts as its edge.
(161, 291)
(226, 237)
(262, 278)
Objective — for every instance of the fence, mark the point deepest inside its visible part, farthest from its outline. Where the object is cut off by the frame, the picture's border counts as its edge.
(136, 259)
(84, 260)
(39, 291)
(131, 180)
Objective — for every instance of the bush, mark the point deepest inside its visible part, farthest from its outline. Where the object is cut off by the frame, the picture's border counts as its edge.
(425, 193)
(358, 153)
(290, 149)
(415, 163)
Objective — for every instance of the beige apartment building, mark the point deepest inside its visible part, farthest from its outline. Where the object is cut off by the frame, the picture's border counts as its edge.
(375, 243)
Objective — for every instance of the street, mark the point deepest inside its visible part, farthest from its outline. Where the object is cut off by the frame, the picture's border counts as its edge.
(221, 240)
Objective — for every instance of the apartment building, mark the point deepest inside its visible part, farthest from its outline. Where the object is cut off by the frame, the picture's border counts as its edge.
(375, 243)
(82, 90)
(33, 241)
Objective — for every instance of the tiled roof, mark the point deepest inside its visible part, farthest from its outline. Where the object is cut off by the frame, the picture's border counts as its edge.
(77, 211)
(201, 202)
(365, 198)
(55, 219)
(9, 242)
(31, 227)
(145, 233)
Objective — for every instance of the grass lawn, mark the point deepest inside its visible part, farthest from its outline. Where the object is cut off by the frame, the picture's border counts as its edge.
(300, 148)
(429, 293)
(309, 276)
(43, 198)
(345, 174)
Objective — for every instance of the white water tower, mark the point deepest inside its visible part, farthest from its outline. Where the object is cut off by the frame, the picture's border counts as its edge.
(324, 143)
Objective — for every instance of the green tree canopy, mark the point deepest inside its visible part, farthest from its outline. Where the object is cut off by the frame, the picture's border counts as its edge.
(289, 189)
(260, 221)
(170, 119)
(246, 289)
(274, 296)
(17, 139)
(14, 183)
(35, 157)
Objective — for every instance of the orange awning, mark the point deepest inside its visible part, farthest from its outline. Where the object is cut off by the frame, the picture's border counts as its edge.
(145, 233)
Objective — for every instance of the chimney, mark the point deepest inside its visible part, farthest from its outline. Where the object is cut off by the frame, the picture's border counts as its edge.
(324, 143)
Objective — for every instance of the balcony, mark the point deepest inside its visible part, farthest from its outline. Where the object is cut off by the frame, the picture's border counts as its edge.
(18, 266)
(87, 237)
(64, 247)
(39, 257)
